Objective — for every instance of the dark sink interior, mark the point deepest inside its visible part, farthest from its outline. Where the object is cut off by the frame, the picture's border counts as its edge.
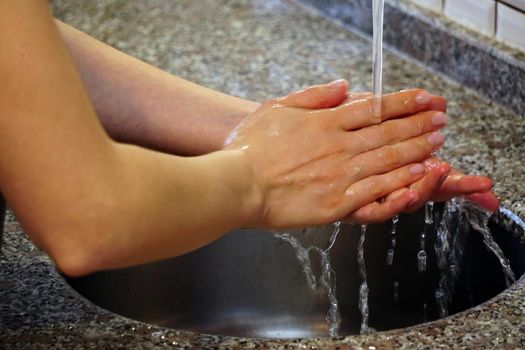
(250, 284)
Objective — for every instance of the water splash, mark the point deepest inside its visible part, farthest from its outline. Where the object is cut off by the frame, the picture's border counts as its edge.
(479, 218)
(449, 247)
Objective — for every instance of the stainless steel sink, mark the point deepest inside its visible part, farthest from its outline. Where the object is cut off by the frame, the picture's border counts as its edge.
(250, 284)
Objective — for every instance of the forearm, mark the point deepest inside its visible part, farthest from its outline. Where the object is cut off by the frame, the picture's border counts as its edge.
(164, 206)
(140, 104)
(89, 202)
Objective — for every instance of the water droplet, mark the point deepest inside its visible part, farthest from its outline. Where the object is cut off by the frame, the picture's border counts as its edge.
(396, 291)
(389, 256)
(422, 261)
(393, 242)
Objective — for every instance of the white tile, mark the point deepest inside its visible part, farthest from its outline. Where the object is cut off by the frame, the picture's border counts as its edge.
(477, 14)
(511, 26)
(431, 4)
(520, 4)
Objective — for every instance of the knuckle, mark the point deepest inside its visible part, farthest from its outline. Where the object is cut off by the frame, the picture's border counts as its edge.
(425, 145)
(422, 124)
(374, 187)
(390, 131)
(392, 157)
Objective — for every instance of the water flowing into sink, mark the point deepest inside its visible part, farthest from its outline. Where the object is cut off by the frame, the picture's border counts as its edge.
(450, 232)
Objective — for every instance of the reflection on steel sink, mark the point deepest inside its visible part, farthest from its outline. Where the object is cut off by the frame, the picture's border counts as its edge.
(250, 284)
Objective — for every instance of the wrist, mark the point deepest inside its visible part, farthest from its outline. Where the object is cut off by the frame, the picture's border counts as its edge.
(246, 196)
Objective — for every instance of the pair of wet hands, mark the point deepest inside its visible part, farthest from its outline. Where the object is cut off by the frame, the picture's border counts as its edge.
(321, 154)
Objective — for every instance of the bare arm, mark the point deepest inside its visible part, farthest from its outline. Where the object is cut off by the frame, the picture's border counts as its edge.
(87, 200)
(140, 104)
(93, 203)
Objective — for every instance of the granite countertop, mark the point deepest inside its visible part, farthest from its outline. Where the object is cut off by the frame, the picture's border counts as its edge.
(259, 49)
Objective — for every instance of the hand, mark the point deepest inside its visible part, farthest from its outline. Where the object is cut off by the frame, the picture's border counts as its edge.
(475, 188)
(316, 160)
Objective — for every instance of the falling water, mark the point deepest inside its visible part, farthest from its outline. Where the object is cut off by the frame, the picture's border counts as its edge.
(429, 213)
(479, 220)
(429, 224)
(391, 251)
(449, 246)
(327, 282)
(443, 293)
(303, 255)
(450, 231)
(363, 289)
(327, 279)
(396, 291)
(377, 54)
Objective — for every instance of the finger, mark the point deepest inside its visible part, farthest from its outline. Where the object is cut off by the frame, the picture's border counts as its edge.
(388, 158)
(439, 103)
(428, 185)
(485, 200)
(354, 96)
(397, 193)
(394, 131)
(459, 184)
(372, 188)
(358, 114)
(318, 96)
(476, 188)
(376, 212)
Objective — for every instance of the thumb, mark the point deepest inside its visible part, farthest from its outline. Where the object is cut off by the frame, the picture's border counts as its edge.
(318, 96)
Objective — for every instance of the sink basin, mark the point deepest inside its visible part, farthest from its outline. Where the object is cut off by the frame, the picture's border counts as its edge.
(250, 284)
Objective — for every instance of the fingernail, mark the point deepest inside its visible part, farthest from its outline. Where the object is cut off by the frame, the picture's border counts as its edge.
(416, 169)
(337, 84)
(423, 98)
(439, 118)
(436, 138)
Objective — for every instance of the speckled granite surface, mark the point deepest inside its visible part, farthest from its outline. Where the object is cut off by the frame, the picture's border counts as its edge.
(259, 49)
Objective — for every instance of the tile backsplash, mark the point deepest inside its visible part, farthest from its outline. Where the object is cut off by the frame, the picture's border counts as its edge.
(502, 19)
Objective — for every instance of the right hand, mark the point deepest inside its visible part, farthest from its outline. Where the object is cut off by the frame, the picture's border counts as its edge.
(315, 161)
(476, 188)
